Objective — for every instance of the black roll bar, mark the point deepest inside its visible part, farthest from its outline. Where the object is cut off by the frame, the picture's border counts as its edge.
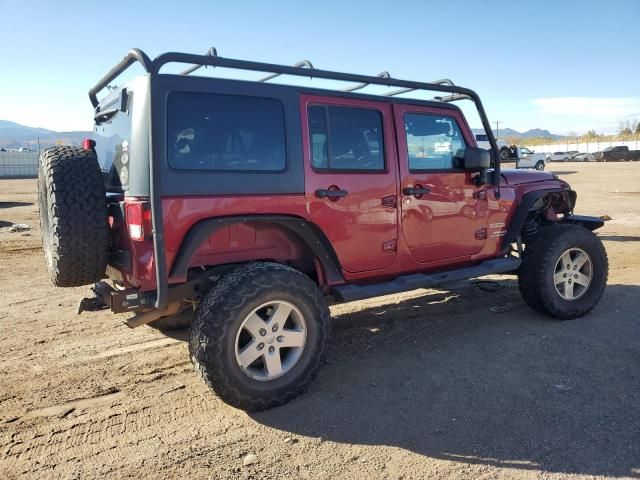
(152, 67)
(132, 56)
(300, 64)
(383, 74)
(212, 52)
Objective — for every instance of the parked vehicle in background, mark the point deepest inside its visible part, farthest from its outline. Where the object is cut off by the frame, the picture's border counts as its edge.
(558, 157)
(526, 158)
(482, 140)
(248, 206)
(619, 154)
(572, 154)
(584, 157)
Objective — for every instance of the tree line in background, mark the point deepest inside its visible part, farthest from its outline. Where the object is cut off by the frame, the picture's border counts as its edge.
(627, 130)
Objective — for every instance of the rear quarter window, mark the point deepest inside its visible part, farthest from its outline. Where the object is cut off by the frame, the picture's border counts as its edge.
(225, 133)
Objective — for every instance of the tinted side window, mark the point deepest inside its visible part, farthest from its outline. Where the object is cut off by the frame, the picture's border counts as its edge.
(434, 142)
(225, 132)
(346, 138)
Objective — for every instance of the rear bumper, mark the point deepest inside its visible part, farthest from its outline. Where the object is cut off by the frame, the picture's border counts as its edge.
(106, 297)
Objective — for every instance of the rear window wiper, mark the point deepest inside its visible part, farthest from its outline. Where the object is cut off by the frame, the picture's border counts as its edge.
(105, 115)
(120, 105)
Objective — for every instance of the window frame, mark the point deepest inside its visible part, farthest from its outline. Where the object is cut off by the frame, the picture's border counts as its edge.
(234, 171)
(326, 106)
(447, 115)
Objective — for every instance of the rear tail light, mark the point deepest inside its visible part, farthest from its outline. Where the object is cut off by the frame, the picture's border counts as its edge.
(88, 144)
(138, 217)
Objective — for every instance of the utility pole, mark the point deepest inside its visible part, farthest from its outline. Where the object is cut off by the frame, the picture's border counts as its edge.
(498, 122)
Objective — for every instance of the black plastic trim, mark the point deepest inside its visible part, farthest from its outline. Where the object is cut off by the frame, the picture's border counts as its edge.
(310, 235)
(520, 217)
(351, 292)
(592, 223)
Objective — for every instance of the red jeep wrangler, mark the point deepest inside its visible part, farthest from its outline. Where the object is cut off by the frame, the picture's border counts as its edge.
(241, 206)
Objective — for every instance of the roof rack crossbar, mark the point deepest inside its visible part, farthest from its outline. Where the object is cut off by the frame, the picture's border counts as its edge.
(383, 74)
(300, 64)
(444, 81)
(212, 52)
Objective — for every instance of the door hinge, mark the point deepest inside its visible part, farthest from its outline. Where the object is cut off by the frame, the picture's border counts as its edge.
(389, 246)
(389, 201)
(481, 234)
(480, 195)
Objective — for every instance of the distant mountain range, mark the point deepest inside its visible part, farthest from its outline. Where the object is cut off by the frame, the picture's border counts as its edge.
(534, 132)
(14, 135)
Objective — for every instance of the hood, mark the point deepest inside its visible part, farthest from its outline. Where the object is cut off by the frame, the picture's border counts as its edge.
(516, 177)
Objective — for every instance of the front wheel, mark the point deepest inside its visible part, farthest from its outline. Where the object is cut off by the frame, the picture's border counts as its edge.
(563, 272)
(260, 335)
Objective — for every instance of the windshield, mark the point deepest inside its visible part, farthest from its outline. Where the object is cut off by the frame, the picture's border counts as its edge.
(113, 136)
(608, 149)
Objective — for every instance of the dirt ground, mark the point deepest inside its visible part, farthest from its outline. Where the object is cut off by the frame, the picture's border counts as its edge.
(429, 384)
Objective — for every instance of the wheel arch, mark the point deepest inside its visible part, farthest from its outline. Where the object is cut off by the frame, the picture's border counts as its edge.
(527, 205)
(308, 234)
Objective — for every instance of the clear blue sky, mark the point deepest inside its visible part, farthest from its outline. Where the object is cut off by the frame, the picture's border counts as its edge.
(562, 65)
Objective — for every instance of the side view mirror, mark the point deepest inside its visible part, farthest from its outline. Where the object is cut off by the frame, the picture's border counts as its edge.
(476, 158)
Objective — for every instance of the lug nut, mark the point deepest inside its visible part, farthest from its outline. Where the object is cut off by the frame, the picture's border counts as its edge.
(272, 349)
(274, 328)
(262, 332)
(575, 276)
(260, 346)
(280, 338)
(564, 275)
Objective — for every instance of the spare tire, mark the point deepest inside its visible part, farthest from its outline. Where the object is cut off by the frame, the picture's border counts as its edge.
(73, 216)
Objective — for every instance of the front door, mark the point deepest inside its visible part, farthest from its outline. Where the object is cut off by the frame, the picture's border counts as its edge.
(351, 178)
(443, 211)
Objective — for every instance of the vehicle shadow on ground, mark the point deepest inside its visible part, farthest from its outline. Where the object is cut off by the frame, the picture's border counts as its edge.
(561, 172)
(446, 377)
(619, 238)
(14, 204)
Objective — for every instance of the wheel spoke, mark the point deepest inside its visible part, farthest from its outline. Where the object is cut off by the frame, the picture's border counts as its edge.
(249, 354)
(566, 259)
(253, 324)
(581, 279)
(568, 290)
(280, 315)
(292, 338)
(559, 278)
(273, 363)
(580, 260)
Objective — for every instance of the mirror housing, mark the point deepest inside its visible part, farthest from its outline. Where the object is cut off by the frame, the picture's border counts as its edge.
(476, 158)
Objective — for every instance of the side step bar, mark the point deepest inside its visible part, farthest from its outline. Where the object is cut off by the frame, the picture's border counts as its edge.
(351, 292)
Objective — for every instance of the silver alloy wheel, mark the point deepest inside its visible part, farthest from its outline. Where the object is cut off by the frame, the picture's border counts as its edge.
(270, 340)
(573, 273)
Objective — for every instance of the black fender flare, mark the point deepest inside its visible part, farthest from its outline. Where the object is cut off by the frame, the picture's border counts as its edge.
(592, 223)
(523, 208)
(310, 234)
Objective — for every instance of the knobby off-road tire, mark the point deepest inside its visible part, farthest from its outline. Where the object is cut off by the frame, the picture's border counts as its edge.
(538, 268)
(73, 216)
(221, 315)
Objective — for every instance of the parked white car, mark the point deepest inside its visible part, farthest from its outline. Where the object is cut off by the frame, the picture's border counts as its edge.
(526, 158)
(558, 157)
(584, 157)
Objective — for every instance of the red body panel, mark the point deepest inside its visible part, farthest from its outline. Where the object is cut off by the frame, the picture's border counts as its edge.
(362, 230)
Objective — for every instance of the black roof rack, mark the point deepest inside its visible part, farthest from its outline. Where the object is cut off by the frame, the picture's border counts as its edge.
(300, 69)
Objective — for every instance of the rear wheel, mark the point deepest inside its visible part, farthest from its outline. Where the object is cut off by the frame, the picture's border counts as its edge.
(540, 165)
(563, 272)
(73, 216)
(259, 336)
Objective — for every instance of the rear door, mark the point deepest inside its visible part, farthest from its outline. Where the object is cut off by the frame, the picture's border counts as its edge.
(443, 212)
(351, 178)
